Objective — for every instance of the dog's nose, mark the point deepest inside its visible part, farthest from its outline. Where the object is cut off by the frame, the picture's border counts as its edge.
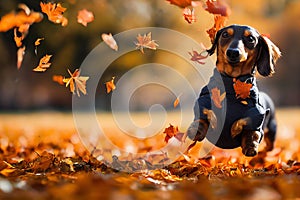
(233, 55)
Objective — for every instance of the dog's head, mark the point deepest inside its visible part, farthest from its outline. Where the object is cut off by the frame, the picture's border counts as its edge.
(241, 49)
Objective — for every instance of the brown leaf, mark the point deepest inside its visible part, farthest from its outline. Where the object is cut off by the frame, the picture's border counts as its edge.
(145, 41)
(216, 97)
(84, 17)
(43, 64)
(189, 15)
(242, 89)
(76, 82)
(42, 162)
(20, 55)
(110, 85)
(110, 41)
(54, 12)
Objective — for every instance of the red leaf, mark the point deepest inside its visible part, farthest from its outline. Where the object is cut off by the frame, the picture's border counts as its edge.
(181, 3)
(198, 57)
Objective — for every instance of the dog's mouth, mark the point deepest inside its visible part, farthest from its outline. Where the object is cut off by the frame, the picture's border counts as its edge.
(233, 62)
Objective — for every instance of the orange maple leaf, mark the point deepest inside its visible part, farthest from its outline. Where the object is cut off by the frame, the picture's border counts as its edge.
(145, 41)
(216, 97)
(242, 89)
(110, 41)
(181, 3)
(189, 15)
(84, 17)
(54, 11)
(43, 64)
(110, 85)
(76, 82)
(219, 23)
(217, 7)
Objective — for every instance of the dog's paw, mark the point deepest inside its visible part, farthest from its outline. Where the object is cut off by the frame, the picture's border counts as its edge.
(250, 152)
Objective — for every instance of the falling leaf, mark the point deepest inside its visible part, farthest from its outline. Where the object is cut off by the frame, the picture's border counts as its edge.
(173, 131)
(12, 20)
(198, 57)
(20, 55)
(110, 41)
(145, 42)
(76, 82)
(216, 97)
(43, 64)
(54, 11)
(84, 17)
(242, 89)
(59, 79)
(110, 85)
(189, 15)
(181, 3)
(18, 38)
(219, 23)
(37, 43)
(217, 7)
(177, 101)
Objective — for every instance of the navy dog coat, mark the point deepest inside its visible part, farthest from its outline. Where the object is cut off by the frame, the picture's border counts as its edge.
(232, 109)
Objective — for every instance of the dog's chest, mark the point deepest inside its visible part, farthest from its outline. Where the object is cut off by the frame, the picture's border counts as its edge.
(238, 103)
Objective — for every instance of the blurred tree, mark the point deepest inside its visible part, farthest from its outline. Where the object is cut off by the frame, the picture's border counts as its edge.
(24, 89)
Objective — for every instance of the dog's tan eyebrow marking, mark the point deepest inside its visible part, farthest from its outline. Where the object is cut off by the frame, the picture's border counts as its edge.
(247, 33)
(230, 31)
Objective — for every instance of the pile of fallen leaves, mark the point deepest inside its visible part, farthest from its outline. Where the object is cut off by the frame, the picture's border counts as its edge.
(47, 169)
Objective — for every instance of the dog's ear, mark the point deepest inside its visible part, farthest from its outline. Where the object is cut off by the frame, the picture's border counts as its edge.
(211, 51)
(267, 57)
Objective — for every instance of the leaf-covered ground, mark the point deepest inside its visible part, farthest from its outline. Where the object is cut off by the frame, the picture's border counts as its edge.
(41, 157)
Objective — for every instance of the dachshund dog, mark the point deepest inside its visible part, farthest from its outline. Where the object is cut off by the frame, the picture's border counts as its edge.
(230, 111)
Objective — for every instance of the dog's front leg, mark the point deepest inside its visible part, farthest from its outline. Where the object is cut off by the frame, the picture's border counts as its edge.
(250, 142)
(197, 130)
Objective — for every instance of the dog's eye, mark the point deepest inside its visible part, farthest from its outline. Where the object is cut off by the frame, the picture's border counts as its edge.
(250, 39)
(225, 34)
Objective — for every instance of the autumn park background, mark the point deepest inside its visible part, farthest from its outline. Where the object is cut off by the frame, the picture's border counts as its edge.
(24, 90)
(36, 112)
